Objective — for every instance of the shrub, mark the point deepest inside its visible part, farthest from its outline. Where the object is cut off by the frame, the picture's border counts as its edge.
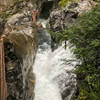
(85, 36)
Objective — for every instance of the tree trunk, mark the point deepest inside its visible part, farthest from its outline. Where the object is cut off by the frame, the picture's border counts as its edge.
(2, 73)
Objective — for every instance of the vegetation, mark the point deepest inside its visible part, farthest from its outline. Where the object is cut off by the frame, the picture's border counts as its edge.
(85, 36)
(63, 3)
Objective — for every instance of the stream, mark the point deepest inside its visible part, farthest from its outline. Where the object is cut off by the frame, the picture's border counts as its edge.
(54, 79)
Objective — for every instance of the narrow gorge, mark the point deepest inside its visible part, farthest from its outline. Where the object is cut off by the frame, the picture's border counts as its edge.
(39, 66)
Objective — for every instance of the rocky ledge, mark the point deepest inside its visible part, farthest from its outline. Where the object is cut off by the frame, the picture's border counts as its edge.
(60, 18)
(20, 38)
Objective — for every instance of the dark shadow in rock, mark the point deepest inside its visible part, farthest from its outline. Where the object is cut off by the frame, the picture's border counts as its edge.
(13, 73)
(46, 7)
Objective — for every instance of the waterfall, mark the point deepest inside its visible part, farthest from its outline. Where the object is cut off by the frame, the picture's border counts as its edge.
(54, 81)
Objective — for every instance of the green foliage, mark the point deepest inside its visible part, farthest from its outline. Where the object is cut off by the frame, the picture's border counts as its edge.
(59, 36)
(63, 3)
(85, 36)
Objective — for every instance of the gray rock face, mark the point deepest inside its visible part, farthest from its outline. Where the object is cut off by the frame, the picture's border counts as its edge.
(59, 19)
(13, 74)
(20, 47)
(20, 50)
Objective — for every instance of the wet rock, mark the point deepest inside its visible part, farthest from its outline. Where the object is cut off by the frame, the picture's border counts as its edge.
(67, 84)
(20, 50)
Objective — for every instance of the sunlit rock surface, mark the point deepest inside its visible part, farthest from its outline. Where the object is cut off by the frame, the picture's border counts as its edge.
(60, 18)
(20, 46)
(20, 50)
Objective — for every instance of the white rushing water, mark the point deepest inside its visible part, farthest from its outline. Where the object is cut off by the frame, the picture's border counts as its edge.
(52, 77)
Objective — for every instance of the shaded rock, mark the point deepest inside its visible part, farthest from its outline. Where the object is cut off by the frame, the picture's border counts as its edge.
(67, 84)
(59, 19)
(20, 50)
(46, 9)
(2, 23)
(13, 74)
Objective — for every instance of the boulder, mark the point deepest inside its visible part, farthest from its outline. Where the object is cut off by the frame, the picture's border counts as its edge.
(20, 43)
(60, 18)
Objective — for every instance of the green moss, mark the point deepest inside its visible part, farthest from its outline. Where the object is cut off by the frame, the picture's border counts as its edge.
(63, 3)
